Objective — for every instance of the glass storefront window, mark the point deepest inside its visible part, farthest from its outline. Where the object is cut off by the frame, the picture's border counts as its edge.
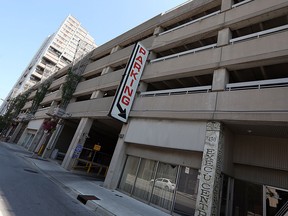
(129, 174)
(155, 182)
(186, 193)
(164, 186)
(247, 199)
(143, 185)
(276, 201)
(224, 196)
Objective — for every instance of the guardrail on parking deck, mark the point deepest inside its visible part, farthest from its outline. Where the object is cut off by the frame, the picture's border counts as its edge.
(241, 3)
(191, 22)
(179, 91)
(211, 46)
(259, 34)
(261, 84)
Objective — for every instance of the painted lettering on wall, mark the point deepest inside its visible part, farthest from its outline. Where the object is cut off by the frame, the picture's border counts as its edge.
(209, 173)
(206, 186)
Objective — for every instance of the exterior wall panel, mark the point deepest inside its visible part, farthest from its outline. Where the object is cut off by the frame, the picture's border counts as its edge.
(57, 83)
(32, 95)
(256, 49)
(193, 32)
(202, 63)
(49, 97)
(254, 11)
(119, 56)
(276, 178)
(41, 113)
(105, 82)
(90, 108)
(27, 105)
(169, 134)
(185, 158)
(189, 102)
(263, 152)
(253, 100)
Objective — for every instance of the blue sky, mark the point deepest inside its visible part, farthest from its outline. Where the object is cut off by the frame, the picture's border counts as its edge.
(25, 25)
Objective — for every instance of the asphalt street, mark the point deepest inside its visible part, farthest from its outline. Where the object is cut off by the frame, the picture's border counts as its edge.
(26, 191)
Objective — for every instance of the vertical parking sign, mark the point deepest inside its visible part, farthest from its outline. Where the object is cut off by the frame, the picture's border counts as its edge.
(127, 89)
(77, 151)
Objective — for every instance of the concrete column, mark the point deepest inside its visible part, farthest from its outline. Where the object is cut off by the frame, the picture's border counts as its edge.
(79, 138)
(142, 87)
(97, 94)
(54, 104)
(36, 139)
(118, 161)
(152, 55)
(22, 138)
(115, 49)
(220, 79)
(158, 30)
(209, 182)
(226, 5)
(73, 99)
(106, 70)
(224, 37)
(17, 130)
(8, 131)
(52, 141)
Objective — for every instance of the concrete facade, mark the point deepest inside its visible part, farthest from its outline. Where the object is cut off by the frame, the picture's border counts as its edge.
(211, 62)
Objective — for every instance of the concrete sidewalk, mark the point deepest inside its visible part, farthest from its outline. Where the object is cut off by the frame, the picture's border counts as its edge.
(109, 202)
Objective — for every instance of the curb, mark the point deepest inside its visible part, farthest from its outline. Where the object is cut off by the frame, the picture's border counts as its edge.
(92, 206)
(98, 209)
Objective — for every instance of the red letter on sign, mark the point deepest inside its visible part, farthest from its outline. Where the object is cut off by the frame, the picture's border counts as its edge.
(132, 74)
(125, 100)
(137, 66)
(142, 51)
(128, 91)
(139, 58)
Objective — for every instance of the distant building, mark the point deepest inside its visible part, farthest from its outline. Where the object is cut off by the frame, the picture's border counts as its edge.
(70, 42)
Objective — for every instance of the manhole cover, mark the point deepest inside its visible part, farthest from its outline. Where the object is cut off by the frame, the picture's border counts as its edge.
(85, 198)
(30, 170)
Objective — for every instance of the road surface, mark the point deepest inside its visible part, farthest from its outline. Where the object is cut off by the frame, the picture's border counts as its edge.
(26, 191)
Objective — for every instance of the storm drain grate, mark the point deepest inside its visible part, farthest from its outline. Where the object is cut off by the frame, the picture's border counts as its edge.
(30, 170)
(85, 198)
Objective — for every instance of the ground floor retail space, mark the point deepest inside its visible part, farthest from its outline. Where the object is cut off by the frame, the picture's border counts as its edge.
(240, 170)
(174, 188)
(181, 167)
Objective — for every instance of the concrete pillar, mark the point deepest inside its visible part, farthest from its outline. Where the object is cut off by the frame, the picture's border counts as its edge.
(158, 30)
(22, 138)
(142, 87)
(118, 161)
(52, 141)
(17, 130)
(72, 100)
(79, 138)
(54, 104)
(220, 79)
(115, 49)
(97, 94)
(152, 55)
(224, 37)
(36, 139)
(106, 70)
(207, 202)
(8, 131)
(226, 5)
